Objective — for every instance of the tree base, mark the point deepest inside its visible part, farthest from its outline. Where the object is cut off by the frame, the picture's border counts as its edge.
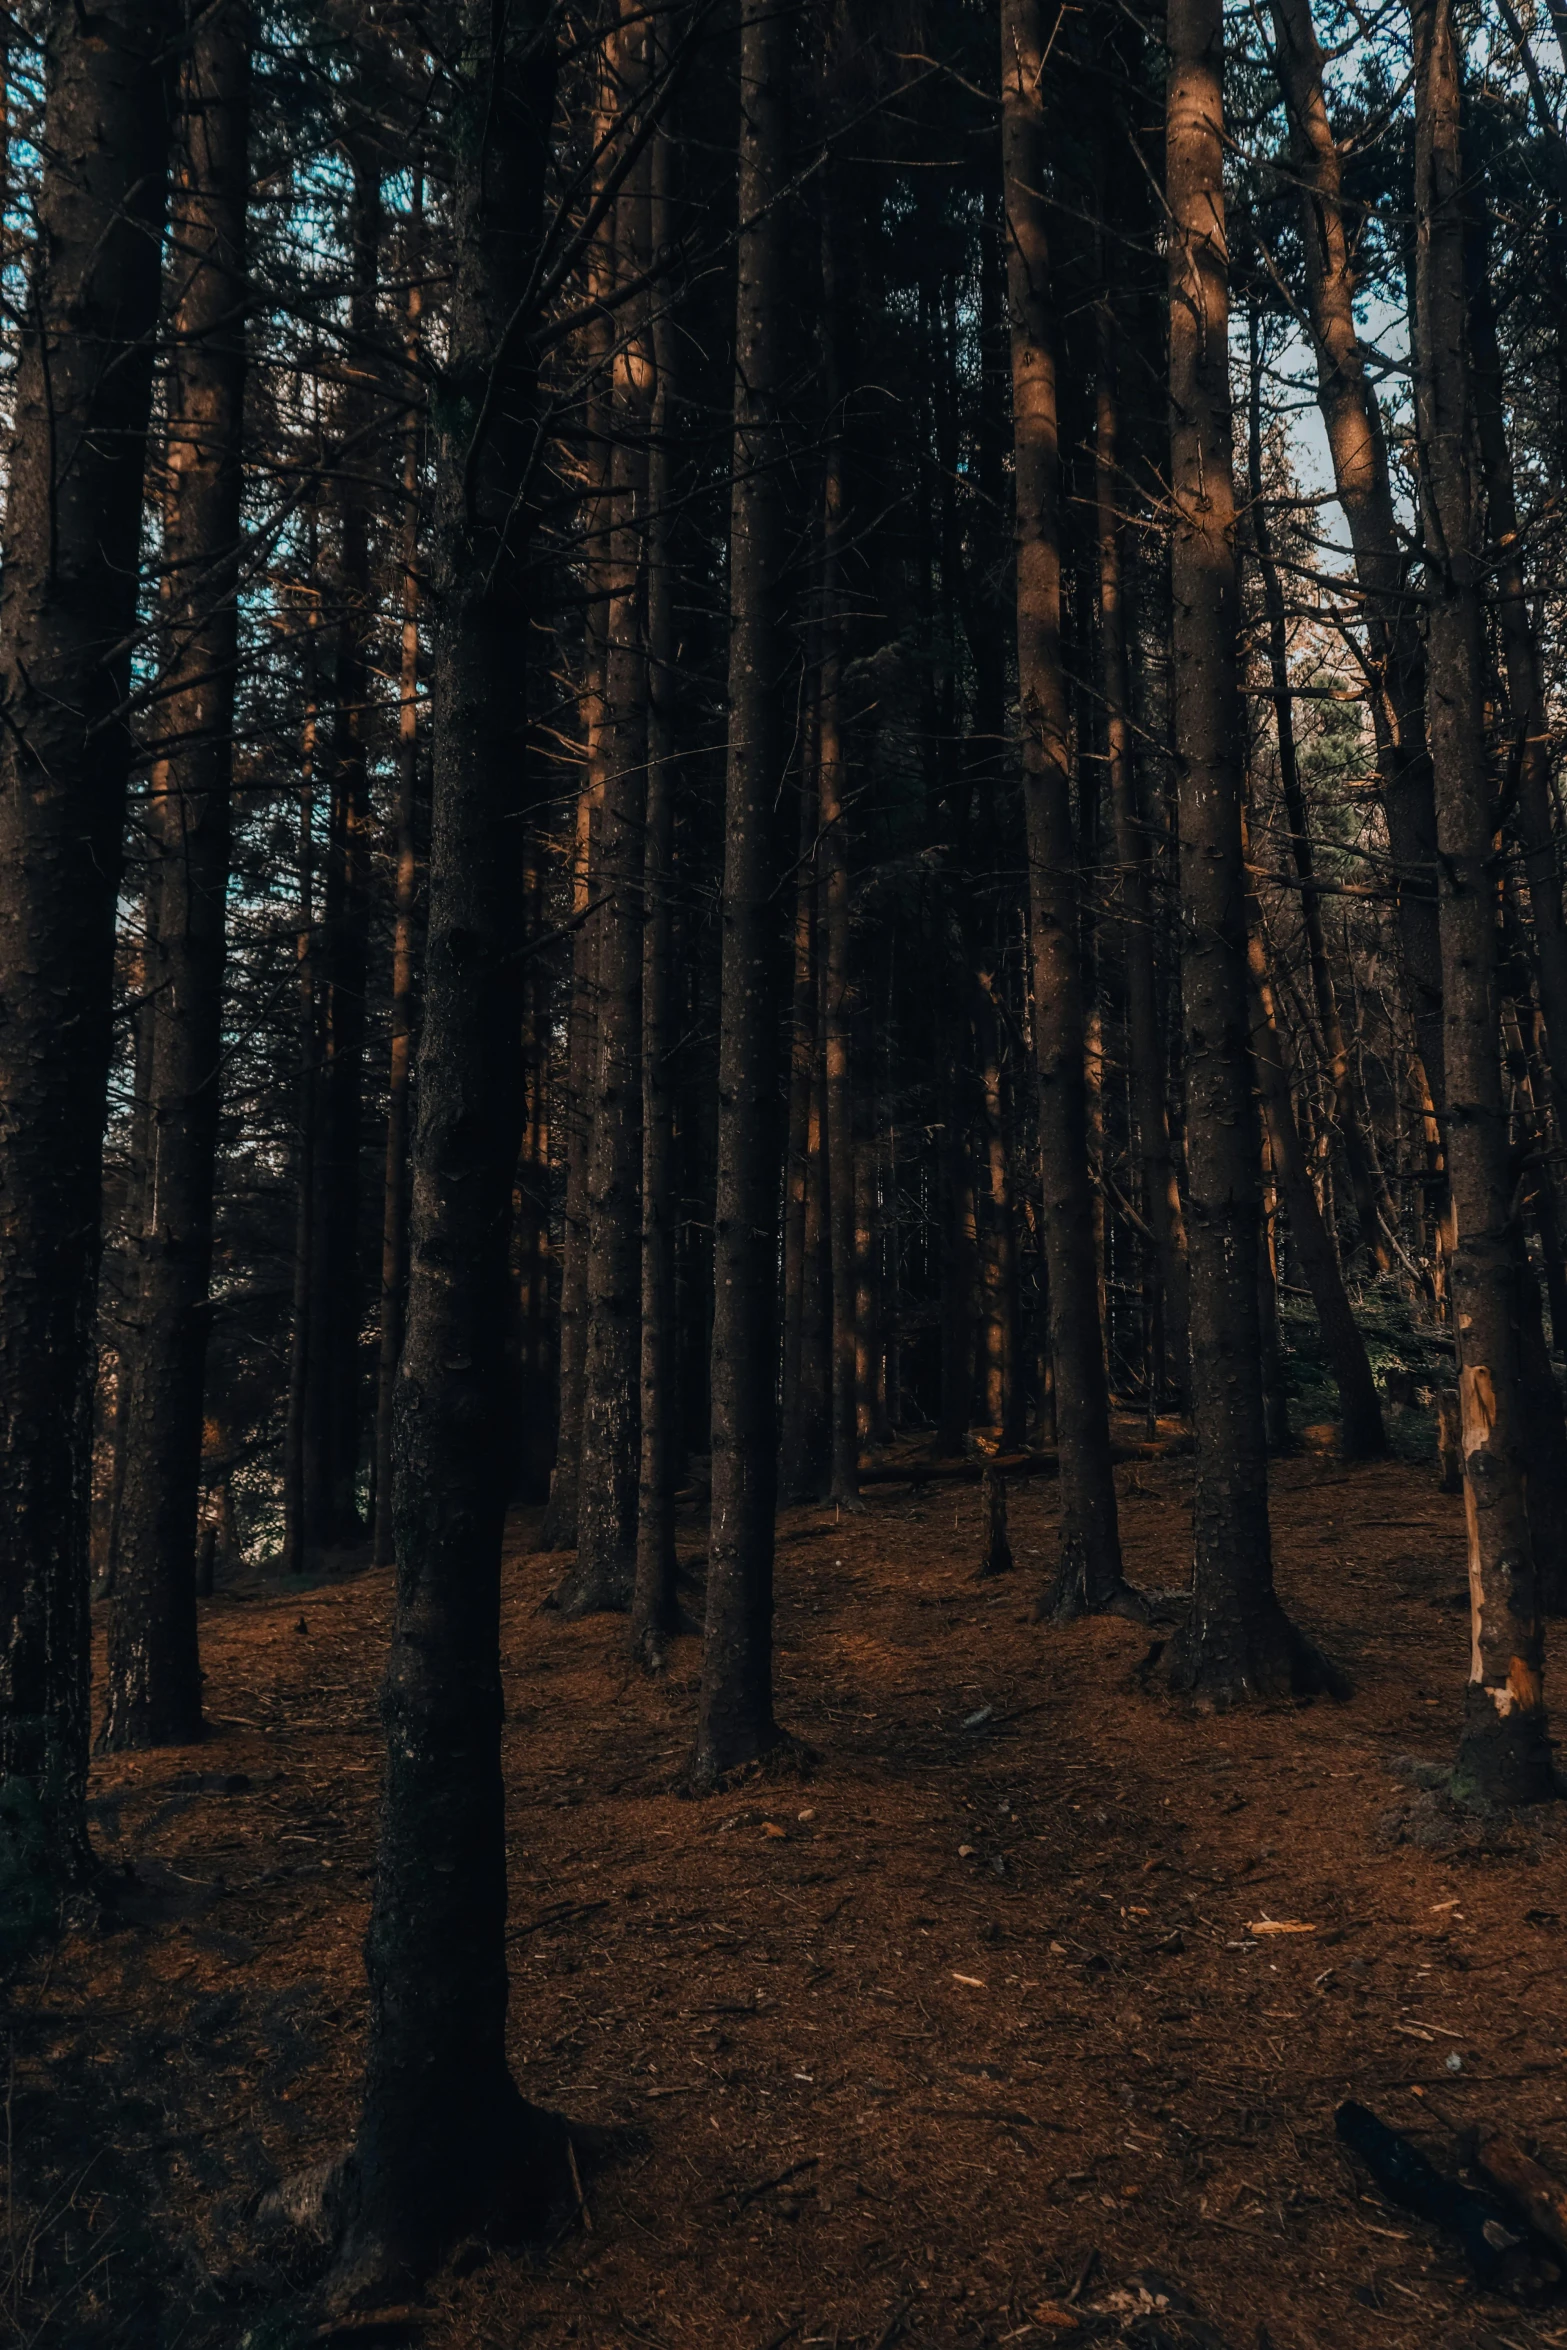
(591, 1592)
(1504, 1760)
(524, 2190)
(775, 1755)
(649, 1644)
(1220, 1663)
(140, 1736)
(1069, 1600)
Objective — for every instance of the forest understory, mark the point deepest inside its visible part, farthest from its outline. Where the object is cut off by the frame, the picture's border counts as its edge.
(971, 2032)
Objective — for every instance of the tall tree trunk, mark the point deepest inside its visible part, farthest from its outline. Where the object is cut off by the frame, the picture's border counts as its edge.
(959, 1241)
(1358, 447)
(605, 1566)
(1161, 1197)
(154, 1681)
(1000, 1337)
(1237, 1641)
(144, 1013)
(296, 1446)
(1324, 995)
(838, 981)
(559, 1528)
(735, 1722)
(1362, 1436)
(446, 2144)
(1504, 1752)
(655, 1614)
(1089, 1576)
(67, 605)
(798, 1467)
(405, 907)
(333, 1414)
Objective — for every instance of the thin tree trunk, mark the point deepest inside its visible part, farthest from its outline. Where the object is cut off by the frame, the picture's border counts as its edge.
(296, 1530)
(446, 2145)
(999, 1336)
(1362, 1436)
(1504, 1752)
(959, 1250)
(838, 974)
(605, 1568)
(154, 1677)
(1323, 993)
(798, 1467)
(655, 1614)
(1161, 1197)
(735, 1722)
(1358, 447)
(405, 906)
(139, 1151)
(559, 1528)
(333, 1414)
(1237, 1641)
(67, 603)
(1089, 1577)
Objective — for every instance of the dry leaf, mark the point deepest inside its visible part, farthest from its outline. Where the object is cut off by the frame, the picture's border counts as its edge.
(771, 1828)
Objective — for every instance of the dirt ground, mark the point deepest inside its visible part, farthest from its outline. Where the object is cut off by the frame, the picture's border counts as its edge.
(974, 2035)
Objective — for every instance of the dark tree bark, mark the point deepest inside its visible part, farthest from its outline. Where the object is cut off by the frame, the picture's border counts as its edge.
(802, 1465)
(154, 1680)
(655, 1613)
(1000, 1322)
(838, 1010)
(1161, 1197)
(307, 1103)
(959, 1238)
(405, 907)
(445, 2143)
(735, 1723)
(335, 1370)
(67, 605)
(1089, 1577)
(837, 975)
(559, 1528)
(1504, 1752)
(605, 1565)
(1237, 1641)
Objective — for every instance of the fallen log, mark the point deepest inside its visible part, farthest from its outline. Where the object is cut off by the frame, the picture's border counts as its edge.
(1541, 2198)
(1499, 2257)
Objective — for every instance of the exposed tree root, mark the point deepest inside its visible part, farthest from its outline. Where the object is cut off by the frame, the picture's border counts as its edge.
(1222, 1663)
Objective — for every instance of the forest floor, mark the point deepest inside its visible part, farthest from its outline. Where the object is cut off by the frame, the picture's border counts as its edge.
(975, 2034)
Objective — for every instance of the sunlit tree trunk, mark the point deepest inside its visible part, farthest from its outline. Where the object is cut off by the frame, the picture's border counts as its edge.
(1504, 1753)
(1236, 1642)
